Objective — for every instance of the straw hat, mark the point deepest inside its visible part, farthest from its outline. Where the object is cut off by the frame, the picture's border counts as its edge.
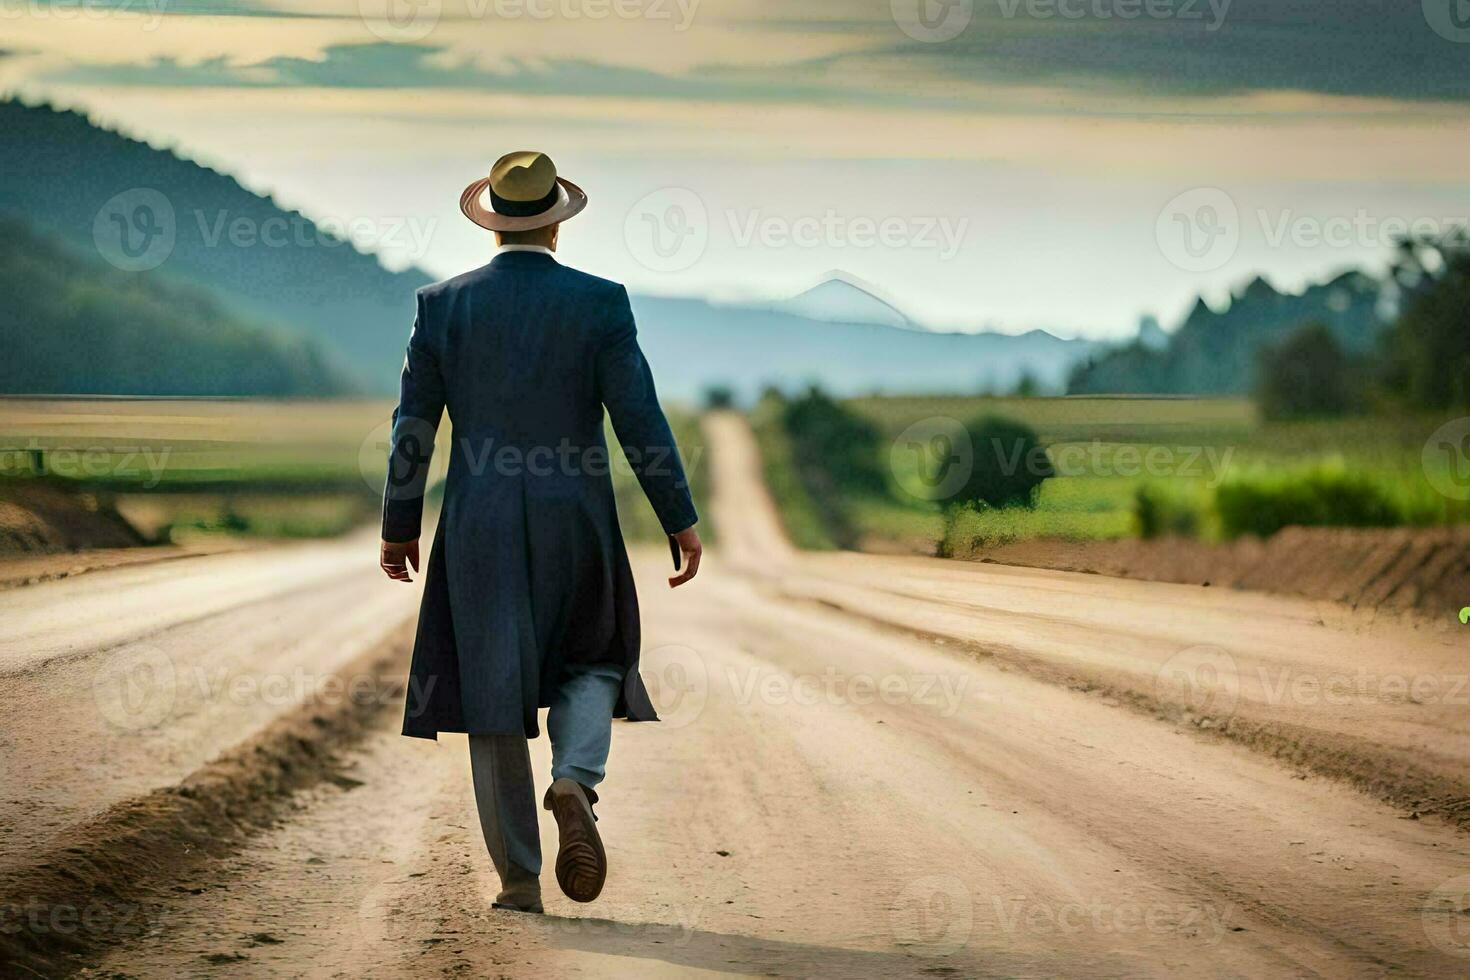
(521, 193)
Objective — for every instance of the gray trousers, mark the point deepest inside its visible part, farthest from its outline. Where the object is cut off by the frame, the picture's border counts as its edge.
(579, 725)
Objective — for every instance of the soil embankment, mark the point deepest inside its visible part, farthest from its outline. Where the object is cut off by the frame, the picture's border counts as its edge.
(1423, 570)
(44, 517)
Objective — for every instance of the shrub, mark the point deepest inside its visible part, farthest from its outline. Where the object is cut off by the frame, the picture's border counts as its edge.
(718, 397)
(1159, 511)
(836, 450)
(1309, 375)
(1009, 465)
(1325, 496)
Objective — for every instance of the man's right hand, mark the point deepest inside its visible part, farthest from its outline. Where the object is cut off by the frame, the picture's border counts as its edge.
(690, 549)
(394, 557)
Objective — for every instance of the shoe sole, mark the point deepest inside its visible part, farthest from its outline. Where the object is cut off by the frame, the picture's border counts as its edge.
(581, 862)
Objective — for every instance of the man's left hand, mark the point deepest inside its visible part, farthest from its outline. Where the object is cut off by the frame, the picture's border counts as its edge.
(395, 557)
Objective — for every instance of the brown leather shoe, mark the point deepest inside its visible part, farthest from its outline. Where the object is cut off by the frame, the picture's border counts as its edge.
(581, 863)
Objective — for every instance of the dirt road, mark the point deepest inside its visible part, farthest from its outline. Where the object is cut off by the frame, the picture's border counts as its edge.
(897, 767)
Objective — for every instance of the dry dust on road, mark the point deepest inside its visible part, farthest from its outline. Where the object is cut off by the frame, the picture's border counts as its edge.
(898, 767)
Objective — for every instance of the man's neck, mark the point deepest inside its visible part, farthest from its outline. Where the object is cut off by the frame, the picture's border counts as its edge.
(516, 247)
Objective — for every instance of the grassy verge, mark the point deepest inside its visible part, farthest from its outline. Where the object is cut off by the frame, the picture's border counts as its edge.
(181, 468)
(1126, 467)
(804, 521)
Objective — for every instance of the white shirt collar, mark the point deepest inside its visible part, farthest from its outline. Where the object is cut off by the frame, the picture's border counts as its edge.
(525, 248)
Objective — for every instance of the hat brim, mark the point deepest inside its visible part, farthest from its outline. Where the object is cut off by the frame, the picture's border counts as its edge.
(472, 202)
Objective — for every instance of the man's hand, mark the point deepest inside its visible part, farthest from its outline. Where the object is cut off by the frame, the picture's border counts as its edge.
(396, 556)
(690, 549)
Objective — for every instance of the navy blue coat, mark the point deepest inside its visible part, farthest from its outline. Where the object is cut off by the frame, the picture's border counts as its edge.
(528, 574)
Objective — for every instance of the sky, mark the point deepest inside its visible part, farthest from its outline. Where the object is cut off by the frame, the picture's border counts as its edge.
(1003, 164)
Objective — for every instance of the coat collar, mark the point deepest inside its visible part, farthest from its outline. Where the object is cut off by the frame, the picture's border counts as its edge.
(524, 249)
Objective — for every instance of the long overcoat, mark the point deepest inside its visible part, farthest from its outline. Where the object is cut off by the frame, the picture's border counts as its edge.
(528, 574)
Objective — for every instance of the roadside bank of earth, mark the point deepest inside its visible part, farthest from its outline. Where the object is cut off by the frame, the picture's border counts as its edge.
(1419, 570)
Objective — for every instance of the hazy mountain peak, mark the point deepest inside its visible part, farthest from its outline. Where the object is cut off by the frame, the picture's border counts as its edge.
(844, 298)
(1258, 288)
(1150, 334)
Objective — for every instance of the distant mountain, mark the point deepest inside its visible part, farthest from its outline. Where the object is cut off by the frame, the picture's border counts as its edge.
(72, 324)
(843, 298)
(693, 344)
(1215, 352)
(1151, 335)
(131, 203)
(239, 263)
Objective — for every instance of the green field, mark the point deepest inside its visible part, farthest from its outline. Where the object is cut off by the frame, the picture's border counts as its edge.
(1177, 453)
(180, 467)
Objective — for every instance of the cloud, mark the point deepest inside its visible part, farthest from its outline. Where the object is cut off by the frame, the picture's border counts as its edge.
(1202, 48)
(62, 9)
(1093, 58)
(385, 65)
